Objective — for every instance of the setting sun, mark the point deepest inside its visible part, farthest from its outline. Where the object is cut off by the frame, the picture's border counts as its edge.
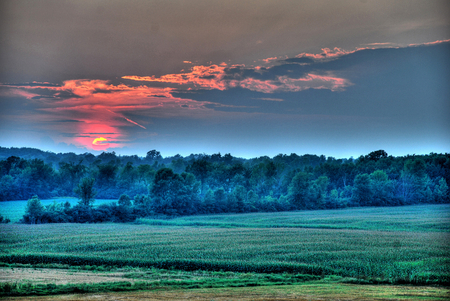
(100, 141)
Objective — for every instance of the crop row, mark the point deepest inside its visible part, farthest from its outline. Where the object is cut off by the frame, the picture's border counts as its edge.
(396, 256)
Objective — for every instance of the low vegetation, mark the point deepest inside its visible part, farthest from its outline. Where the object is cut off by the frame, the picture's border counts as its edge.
(401, 245)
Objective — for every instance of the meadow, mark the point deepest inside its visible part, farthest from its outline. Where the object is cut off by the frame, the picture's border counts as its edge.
(390, 245)
(14, 210)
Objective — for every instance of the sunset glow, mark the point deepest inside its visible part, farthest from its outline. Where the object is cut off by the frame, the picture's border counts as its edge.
(244, 78)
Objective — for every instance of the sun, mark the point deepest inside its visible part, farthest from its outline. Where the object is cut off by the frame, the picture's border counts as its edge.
(100, 143)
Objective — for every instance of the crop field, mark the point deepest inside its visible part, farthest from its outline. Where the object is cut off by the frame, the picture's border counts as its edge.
(401, 245)
(421, 218)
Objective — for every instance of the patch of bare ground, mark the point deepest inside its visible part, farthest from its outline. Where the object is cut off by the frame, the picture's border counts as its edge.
(312, 292)
(57, 276)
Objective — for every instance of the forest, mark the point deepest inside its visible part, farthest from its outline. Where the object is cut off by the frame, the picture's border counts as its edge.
(209, 184)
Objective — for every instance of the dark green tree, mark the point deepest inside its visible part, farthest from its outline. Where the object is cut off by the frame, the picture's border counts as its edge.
(174, 194)
(85, 191)
(33, 211)
(362, 192)
(298, 191)
(124, 200)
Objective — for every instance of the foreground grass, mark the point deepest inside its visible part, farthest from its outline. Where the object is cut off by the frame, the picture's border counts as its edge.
(306, 291)
(402, 245)
(396, 257)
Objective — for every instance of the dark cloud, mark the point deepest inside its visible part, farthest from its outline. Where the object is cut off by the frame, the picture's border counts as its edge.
(54, 40)
(298, 60)
(34, 84)
(404, 85)
(65, 120)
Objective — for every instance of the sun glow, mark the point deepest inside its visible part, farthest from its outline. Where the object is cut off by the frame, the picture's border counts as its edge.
(100, 143)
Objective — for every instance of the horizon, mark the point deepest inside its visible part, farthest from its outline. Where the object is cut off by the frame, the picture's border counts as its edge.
(164, 156)
(250, 79)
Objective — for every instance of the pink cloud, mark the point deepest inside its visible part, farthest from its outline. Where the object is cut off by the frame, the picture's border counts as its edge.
(430, 43)
(270, 59)
(101, 107)
(286, 84)
(201, 76)
(328, 53)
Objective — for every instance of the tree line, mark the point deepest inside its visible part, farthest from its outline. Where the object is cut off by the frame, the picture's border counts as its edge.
(204, 184)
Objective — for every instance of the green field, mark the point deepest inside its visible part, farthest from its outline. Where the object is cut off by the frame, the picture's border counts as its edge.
(396, 245)
(14, 210)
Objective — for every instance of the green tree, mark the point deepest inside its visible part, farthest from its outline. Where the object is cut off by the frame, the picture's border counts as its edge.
(70, 173)
(33, 211)
(240, 194)
(413, 181)
(4, 220)
(362, 192)
(124, 200)
(209, 205)
(441, 191)
(382, 189)
(220, 197)
(173, 193)
(298, 191)
(85, 191)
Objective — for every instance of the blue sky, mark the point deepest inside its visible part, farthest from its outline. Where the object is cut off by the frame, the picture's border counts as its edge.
(249, 78)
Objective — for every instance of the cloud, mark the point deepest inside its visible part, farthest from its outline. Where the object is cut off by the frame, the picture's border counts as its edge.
(269, 59)
(301, 72)
(270, 99)
(266, 80)
(134, 107)
(91, 108)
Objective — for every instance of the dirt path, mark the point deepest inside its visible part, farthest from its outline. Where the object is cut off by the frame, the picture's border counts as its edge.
(304, 292)
(57, 276)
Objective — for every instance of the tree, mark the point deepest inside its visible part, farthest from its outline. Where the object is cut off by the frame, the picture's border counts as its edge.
(4, 220)
(85, 191)
(173, 193)
(362, 193)
(71, 173)
(441, 191)
(382, 189)
(298, 192)
(128, 175)
(124, 200)
(208, 202)
(413, 181)
(377, 155)
(153, 155)
(201, 169)
(220, 198)
(240, 195)
(33, 211)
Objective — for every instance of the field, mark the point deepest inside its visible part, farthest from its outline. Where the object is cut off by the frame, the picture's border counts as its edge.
(14, 210)
(332, 248)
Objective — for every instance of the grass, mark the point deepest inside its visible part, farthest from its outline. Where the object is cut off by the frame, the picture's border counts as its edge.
(400, 245)
(405, 218)
(385, 254)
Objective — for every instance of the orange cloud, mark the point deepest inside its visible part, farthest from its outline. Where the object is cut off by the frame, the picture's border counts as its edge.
(97, 107)
(201, 76)
(214, 77)
(270, 59)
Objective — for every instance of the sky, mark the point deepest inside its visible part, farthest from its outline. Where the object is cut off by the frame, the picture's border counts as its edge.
(250, 78)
